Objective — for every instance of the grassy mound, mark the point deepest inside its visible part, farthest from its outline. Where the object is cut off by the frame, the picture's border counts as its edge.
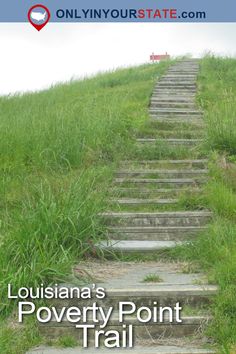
(59, 149)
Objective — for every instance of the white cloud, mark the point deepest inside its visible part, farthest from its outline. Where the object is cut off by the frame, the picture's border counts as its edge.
(32, 60)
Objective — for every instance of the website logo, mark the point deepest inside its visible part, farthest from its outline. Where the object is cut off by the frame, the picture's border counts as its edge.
(39, 16)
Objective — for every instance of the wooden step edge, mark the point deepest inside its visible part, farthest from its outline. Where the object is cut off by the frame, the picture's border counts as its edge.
(136, 201)
(164, 214)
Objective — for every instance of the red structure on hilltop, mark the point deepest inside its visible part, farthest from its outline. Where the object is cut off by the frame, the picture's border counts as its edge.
(154, 57)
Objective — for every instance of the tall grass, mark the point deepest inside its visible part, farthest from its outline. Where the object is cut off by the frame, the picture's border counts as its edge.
(74, 124)
(218, 99)
(58, 151)
(17, 338)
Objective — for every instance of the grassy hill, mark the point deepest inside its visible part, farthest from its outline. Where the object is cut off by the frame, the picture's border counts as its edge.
(58, 151)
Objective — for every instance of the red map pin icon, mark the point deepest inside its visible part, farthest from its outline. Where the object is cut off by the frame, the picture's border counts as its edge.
(38, 16)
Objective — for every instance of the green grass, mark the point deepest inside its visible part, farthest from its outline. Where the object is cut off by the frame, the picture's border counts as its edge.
(59, 149)
(217, 97)
(152, 278)
(17, 338)
(67, 342)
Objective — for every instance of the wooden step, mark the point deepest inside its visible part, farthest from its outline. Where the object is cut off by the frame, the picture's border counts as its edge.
(137, 350)
(189, 326)
(177, 82)
(175, 111)
(155, 173)
(171, 105)
(179, 119)
(176, 133)
(143, 201)
(176, 99)
(187, 91)
(170, 182)
(180, 76)
(179, 87)
(153, 192)
(158, 233)
(173, 97)
(187, 163)
(174, 93)
(170, 141)
(180, 218)
(184, 75)
(136, 247)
